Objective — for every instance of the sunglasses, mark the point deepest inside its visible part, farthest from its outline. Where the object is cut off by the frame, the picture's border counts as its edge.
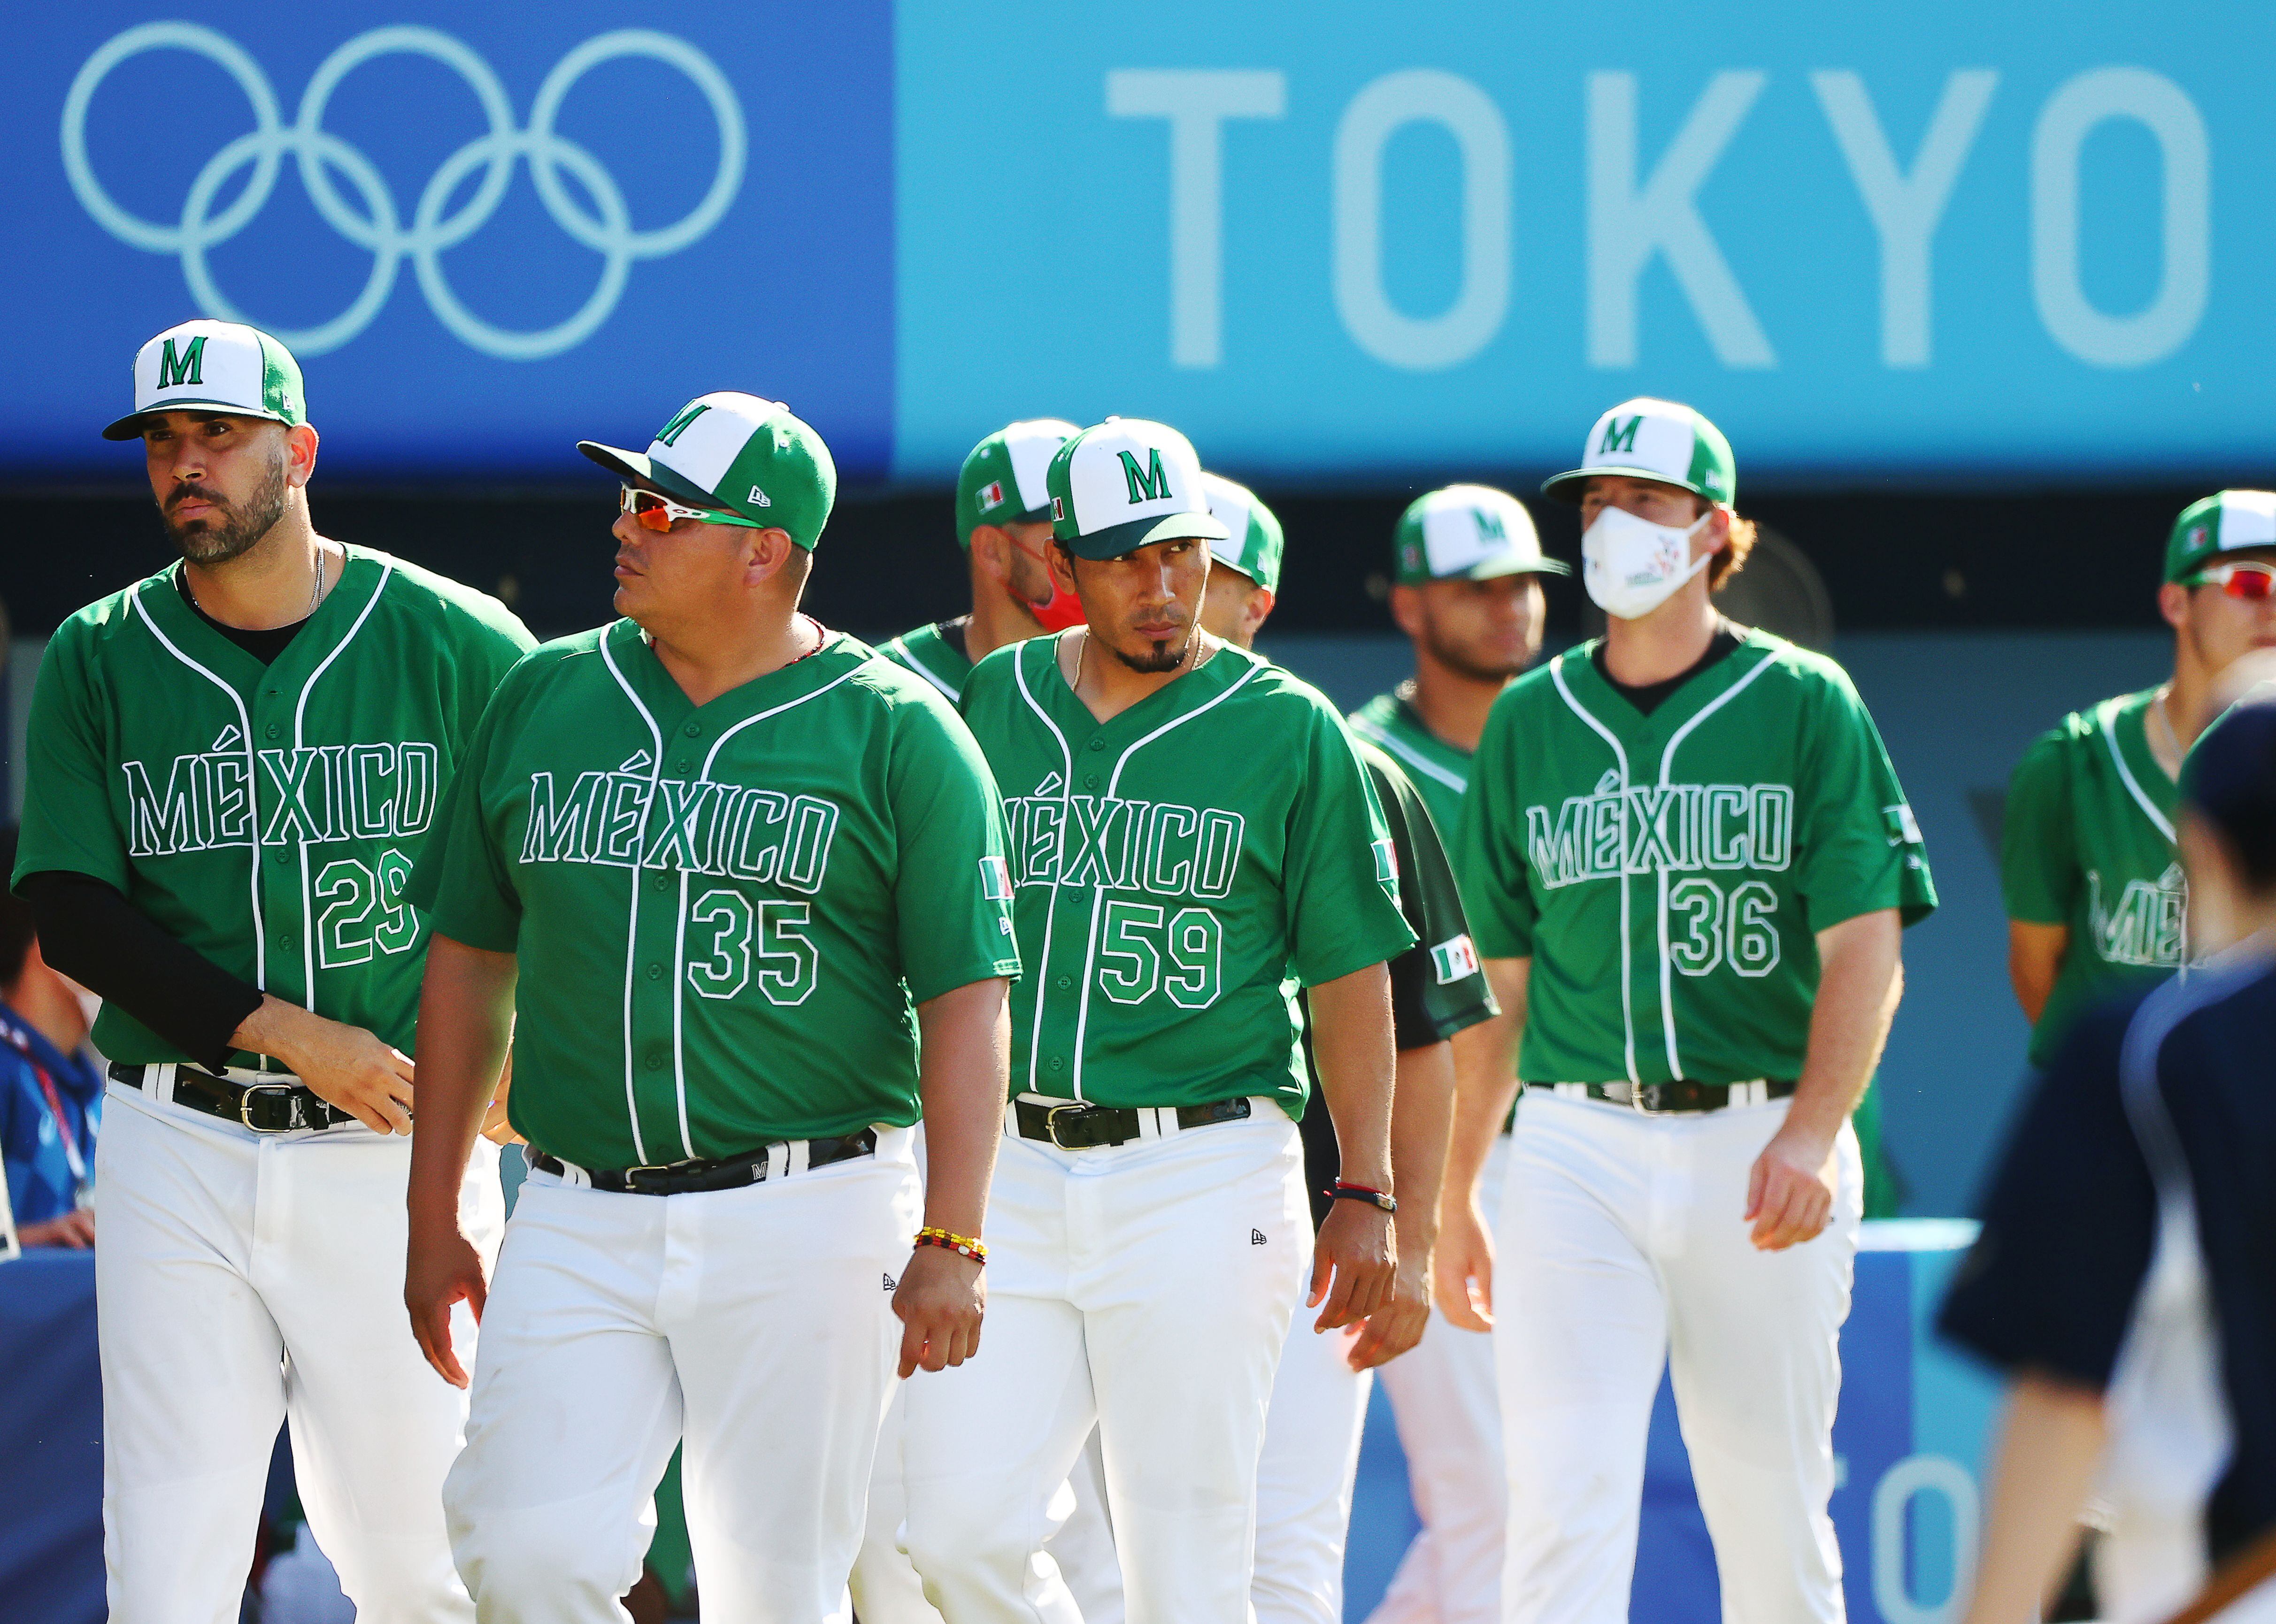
(659, 512)
(2247, 579)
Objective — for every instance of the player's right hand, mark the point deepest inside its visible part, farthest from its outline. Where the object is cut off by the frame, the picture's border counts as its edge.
(940, 1299)
(443, 1269)
(1463, 1270)
(1353, 1264)
(343, 1065)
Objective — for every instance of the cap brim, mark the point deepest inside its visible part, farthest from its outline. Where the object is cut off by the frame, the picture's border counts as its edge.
(639, 465)
(1116, 540)
(1566, 486)
(130, 426)
(1494, 569)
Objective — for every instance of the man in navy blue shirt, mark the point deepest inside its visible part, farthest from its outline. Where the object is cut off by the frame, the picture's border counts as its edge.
(2126, 1276)
(50, 1092)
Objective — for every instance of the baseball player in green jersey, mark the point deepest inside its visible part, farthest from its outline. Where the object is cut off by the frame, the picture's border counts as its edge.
(1687, 864)
(234, 766)
(1003, 523)
(1310, 1458)
(716, 871)
(1466, 571)
(1191, 838)
(1466, 588)
(2094, 889)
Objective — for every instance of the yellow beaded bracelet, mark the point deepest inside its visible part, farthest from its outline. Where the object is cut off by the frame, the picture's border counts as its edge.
(964, 1246)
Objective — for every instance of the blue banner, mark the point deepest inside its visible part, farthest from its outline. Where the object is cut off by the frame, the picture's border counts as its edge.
(1350, 241)
(486, 231)
(1347, 244)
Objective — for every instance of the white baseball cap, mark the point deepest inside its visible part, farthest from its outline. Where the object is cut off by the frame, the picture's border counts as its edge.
(1123, 483)
(1469, 532)
(213, 366)
(1254, 542)
(1660, 440)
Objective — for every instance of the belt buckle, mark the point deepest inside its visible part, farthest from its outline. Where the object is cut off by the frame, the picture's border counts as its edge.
(244, 1106)
(1051, 1114)
(632, 1174)
(1640, 1093)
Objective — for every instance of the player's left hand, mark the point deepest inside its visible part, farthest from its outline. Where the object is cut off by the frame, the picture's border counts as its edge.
(496, 1128)
(443, 1269)
(1790, 1190)
(940, 1299)
(1356, 1257)
(1399, 1323)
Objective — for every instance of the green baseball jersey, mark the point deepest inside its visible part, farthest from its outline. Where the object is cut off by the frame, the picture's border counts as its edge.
(2087, 843)
(266, 816)
(1439, 769)
(1437, 986)
(928, 652)
(1178, 872)
(724, 913)
(1667, 873)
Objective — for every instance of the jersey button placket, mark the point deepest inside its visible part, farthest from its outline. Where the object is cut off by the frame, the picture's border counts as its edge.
(652, 993)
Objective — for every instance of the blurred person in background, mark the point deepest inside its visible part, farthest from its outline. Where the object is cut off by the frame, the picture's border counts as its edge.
(1312, 1427)
(50, 1087)
(1003, 524)
(2087, 868)
(2126, 1276)
(1465, 572)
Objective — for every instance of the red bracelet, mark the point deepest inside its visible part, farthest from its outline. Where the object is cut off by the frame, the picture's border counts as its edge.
(963, 1246)
(1360, 1192)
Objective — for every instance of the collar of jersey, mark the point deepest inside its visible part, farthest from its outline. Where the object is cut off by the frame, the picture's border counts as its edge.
(2129, 720)
(669, 701)
(360, 578)
(1227, 667)
(1611, 707)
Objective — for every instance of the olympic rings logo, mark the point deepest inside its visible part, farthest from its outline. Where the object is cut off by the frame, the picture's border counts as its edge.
(606, 229)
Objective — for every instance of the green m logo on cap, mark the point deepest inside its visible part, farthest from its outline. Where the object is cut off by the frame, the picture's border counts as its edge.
(1619, 439)
(1488, 525)
(677, 426)
(176, 370)
(1151, 486)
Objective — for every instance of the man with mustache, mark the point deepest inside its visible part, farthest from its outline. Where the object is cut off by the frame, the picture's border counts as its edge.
(234, 766)
(1190, 836)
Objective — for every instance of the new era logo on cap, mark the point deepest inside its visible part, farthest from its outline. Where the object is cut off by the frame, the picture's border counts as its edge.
(1126, 484)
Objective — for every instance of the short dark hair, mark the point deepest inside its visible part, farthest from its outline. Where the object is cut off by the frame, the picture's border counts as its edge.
(2230, 780)
(17, 931)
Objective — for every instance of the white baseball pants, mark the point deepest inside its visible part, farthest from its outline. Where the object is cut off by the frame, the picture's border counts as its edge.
(1145, 1288)
(1305, 1477)
(244, 1279)
(1444, 1398)
(757, 1321)
(1622, 1249)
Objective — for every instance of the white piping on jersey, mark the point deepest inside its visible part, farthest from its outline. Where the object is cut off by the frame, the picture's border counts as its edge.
(631, 924)
(899, 649)
(1376, 733)
(1627, 1012)
(299, 739)
(2110, 736)
(1051, 910)
(253, 797)
(1667, 767)
(1098, 888)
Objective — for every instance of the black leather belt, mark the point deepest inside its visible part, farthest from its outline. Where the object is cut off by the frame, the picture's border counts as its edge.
(1078, 1127)
(284, 1106)
(1681, 1097)
(723, 1173)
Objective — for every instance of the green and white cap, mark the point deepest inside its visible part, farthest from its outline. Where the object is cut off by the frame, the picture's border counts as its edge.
(1253, 545)
(736, 452)
(2223, 522)
(1467, 533)
(1002, 481)
(1645, 438)
(1124, 483)
(215, 366)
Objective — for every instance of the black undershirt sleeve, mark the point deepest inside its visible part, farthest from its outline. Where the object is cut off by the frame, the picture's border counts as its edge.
(92, 933)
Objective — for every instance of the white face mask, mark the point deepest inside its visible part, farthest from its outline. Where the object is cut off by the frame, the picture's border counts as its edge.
(1631, 565)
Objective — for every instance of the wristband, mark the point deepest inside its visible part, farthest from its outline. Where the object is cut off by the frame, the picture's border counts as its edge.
(963, 1246)
(1360, 1192)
